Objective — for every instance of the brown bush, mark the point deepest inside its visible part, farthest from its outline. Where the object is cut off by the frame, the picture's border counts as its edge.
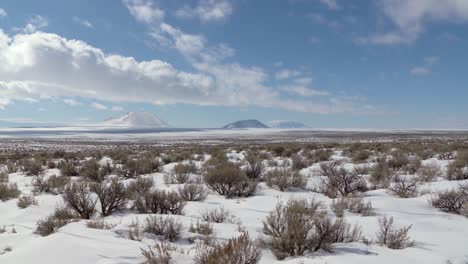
(428, 172)
(355, 205)
(167, 227)
(91, 170)
(192, 192)
(31, 167)
(404, 188)
(181, 173)
(458, 169)
(217, 215)
(452, 201)
(392, 237)
(228, 179)
(398, 160)
(299, 162)
(9, 191)
(254, 169)
(53, 184)
(300, 226)
(134, 168)
(240, 250)
(381, 174)
(339, 181)
(205, 229)
(67, 168)
(99, 224)
(112, 196)
(50, 224)
(158, 254)
(78, 198)
(160, 202)
(140, 187)
(26, 201)
(360, 156)
(285, 179)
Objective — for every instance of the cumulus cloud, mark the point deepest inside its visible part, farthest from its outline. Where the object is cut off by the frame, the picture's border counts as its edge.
(331, 4)
(35, 23)
(207, 10)
(98, 106)
(303, 91)
(409, 18)
(71, 102)
(144, 10)
(83, 22)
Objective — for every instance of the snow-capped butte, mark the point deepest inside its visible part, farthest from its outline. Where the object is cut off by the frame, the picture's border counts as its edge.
(251, 123)
(286, 124)
(136, 119)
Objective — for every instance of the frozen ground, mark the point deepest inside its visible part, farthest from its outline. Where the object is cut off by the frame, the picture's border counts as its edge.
(439, 237)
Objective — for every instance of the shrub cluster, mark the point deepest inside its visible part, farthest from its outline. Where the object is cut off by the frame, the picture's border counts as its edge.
(392, 237)
(228, 179)
(339, 181)
(284, 179)
(160, 202)
(164, 226)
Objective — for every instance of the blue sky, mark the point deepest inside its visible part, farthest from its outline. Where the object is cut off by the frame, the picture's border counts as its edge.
(205, 63)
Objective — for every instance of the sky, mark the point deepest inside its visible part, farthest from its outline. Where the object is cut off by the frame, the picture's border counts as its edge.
(206, 63)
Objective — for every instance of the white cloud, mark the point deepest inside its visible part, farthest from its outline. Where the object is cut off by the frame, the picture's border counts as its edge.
(83, 22)
(71, 102)
(117, 109)
(3, 13)
(303, 91)
(409, 18)
(331, 4)
(35, 23)
(98, 106)
(286, 74)
(420, 71)
(207, 10)
(431, 60)
(144, 10)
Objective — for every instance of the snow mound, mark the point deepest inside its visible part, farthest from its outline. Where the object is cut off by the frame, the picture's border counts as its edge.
(286, 124)
(136, 119)
(251, 123)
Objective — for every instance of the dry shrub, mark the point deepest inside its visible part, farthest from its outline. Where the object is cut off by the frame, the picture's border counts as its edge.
(228, 179)
(67, 168)
(53, 184)
(285, 179)
(321, 155)
(135, 231)
(181, 173)
(79, 198)
(91, 170)
(452, 201)
(430, 171)
(99, 224)
(404, 188)
(112, 196)
(192, 192)
(9, 191)
(158, 254)
(381, 174)
(31, 167)
(254, 169)
(413, 165)
(164, 226)
(392, 237)
(240, 250)
(26, 201)
(205, 229)
(134, 168)
(160, 202)
(298, 162)
(360, 156)
(217, 215)
(50, 224)
(458, 169)
(140, 187)
(354, 205)
(339, 181)
(3, 177)
(398, 160)
(300, 226)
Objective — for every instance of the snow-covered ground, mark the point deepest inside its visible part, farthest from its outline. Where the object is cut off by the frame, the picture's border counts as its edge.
(439, 237)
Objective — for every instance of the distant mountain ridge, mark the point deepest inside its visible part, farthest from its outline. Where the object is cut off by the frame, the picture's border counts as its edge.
(136, 119)
(286, 124)
(250, 123)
